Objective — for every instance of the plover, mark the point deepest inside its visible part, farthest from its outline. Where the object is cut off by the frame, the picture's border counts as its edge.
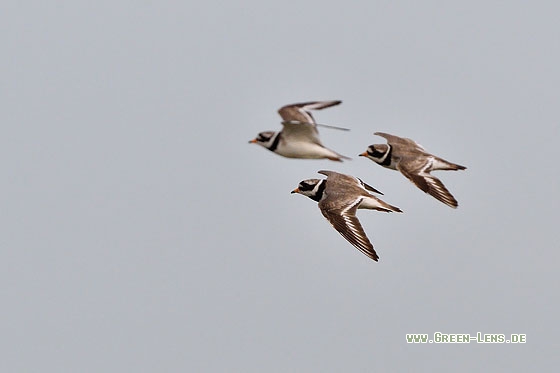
(339, 197)
(299, 137)
(414, 162)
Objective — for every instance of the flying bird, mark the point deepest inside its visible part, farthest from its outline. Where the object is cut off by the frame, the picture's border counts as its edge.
(414, 162)
(299, 137)
(339, 197)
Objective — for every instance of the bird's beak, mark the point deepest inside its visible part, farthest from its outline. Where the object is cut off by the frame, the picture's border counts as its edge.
(295, 191)
(364, 154)
(252, 141)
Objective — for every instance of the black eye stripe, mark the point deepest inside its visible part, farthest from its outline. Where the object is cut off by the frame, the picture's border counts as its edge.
(306, 186)
(374, 152)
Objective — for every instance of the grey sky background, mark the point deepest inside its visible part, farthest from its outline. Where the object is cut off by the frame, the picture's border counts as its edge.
(140, 231)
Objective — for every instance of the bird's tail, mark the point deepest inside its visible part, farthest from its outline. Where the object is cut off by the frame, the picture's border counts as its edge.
(375, 203)
(442, 164)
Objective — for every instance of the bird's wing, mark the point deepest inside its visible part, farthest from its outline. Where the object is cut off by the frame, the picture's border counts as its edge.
(368, 187)
(301, 131)
(300, 112)
(417, 171)
(344, 220)
(396, 140)
(348, 181)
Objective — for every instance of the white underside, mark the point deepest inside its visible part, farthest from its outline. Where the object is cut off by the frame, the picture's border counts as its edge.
(439, 165)
(304, 150)
(370, 203)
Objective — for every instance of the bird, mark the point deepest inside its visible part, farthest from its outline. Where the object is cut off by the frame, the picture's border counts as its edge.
(339, 196)
(299, 137)
(414, 162)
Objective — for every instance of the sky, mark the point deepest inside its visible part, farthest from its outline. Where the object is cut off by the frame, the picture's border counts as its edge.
(141, 232)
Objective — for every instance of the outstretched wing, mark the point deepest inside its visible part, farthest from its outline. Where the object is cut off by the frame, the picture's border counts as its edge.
(417, 172)
(396, 140)
(300, 131)
(368, 187)
(347, 224)
(328, 173)
(348, 181)
(300, 112)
